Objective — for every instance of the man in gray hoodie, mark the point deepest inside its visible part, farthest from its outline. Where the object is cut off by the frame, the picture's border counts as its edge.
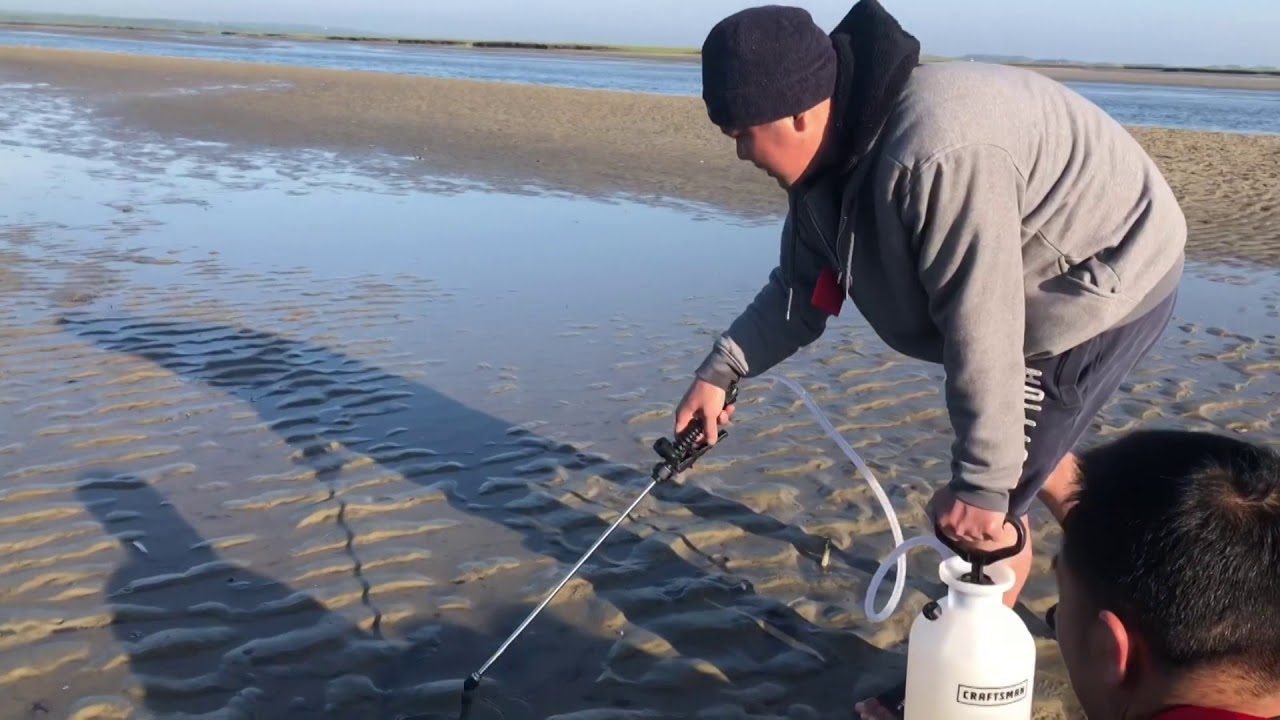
(982, 217)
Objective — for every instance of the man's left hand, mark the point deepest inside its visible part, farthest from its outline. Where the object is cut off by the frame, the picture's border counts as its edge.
(966, 523)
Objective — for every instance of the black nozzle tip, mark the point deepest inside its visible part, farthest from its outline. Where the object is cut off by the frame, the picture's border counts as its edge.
(471, 683)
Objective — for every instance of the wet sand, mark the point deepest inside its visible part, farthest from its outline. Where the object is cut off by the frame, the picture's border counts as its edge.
(282, 439)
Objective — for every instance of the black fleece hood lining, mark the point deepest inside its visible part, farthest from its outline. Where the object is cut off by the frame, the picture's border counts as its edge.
(875, 58)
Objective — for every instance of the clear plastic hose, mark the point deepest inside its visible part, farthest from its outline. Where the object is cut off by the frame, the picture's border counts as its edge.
(900, 550)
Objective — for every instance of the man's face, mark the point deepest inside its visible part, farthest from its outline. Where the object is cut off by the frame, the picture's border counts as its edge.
(1096, 648)
(784, 149)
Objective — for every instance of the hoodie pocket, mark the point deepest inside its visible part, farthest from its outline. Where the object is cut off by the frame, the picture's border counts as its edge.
(1091, 275)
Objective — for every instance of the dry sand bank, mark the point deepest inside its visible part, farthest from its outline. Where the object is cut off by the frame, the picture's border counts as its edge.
(576, 140)
(231, 491)
(1188, 78)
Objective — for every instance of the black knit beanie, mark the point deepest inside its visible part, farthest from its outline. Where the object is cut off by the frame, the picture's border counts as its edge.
(765, 63)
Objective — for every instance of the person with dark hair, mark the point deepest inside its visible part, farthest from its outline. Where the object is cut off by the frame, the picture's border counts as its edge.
(982, 217)
(1168, 576)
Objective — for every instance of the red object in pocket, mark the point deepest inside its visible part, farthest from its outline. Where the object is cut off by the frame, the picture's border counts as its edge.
(828, 295)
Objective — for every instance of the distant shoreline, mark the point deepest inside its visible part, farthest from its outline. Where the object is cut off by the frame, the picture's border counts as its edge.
(673, 53)
(1265, 79)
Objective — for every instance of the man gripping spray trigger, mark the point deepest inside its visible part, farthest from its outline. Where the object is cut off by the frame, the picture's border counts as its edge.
(981, 217)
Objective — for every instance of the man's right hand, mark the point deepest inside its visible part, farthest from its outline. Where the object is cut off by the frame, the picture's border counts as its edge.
(704, 403)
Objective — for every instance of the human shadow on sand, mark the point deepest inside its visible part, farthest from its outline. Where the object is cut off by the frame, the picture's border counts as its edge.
(206, 637)
(314, 397)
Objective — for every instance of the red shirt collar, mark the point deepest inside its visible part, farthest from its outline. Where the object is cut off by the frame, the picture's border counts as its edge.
(1197, 713)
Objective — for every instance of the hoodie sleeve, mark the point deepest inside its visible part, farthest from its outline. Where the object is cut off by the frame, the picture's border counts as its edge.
(963, 209)
(778, 322)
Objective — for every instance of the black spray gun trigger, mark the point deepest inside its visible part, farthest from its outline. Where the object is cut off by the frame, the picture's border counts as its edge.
(688, 447)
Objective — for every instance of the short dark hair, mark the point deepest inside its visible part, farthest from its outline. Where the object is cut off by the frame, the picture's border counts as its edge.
(1178, 534)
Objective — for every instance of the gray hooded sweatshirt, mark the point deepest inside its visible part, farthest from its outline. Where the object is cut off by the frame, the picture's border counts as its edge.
(998, 217)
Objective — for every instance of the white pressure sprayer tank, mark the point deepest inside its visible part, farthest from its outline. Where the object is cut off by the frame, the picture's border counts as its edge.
(968, 656)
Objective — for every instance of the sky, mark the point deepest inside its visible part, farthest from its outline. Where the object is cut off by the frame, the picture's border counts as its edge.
(1185, 32)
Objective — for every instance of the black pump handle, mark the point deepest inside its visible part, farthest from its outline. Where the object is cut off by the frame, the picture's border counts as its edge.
(983, 558)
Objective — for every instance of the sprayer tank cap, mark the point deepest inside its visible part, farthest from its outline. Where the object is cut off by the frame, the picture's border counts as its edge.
(953, 570)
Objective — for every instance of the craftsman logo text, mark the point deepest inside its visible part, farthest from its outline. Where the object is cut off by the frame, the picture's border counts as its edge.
(991, 697)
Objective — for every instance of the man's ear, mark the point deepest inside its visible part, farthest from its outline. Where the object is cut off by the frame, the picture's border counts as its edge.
(1116, 650)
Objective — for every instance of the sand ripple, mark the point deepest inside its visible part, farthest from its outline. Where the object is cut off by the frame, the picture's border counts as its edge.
(269, 526)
